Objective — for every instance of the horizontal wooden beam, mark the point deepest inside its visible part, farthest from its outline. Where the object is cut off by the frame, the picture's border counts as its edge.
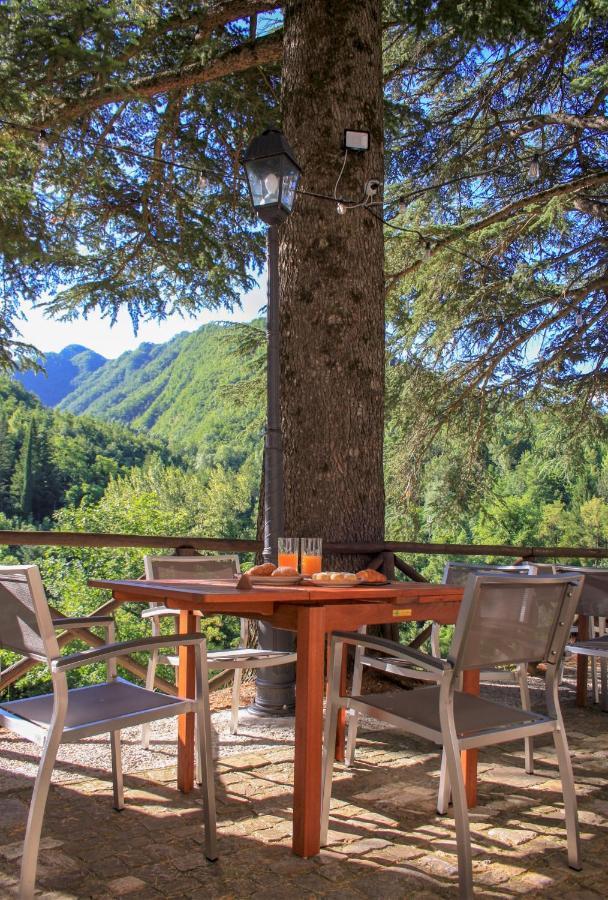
(87, 539)
(232, 545)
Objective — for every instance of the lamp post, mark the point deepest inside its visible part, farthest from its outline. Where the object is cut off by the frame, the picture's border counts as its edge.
(272, 176)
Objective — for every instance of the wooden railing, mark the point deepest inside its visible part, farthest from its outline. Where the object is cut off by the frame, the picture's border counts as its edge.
(383, 556)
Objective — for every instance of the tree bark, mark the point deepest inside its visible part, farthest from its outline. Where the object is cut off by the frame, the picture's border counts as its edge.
(331, 277)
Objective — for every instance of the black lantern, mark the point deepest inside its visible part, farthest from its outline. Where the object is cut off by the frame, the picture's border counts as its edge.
(272, 175)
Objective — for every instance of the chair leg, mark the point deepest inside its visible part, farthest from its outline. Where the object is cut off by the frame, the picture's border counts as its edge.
(206, 775)
(329, 757)
(117, 781)
(524, 691)
(461, 814)
(236, 696)
(435, 634)
(569, 792)
(445, 789)
(603, 670)
(594, 683)
(150, 674)
(31, 844)
(353, 716)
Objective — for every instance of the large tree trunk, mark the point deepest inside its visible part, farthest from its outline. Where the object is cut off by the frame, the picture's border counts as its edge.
(331, 277)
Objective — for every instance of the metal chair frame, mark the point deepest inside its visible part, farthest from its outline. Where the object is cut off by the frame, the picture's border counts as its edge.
(597, 608)
(514, 724)
(239, 658)
(518, 675)
(45, 719)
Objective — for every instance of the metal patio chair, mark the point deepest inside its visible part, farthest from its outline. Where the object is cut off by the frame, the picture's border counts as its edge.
(68, 715)
(455, 573)
(167, 568)
(502, 621)
(593, 603)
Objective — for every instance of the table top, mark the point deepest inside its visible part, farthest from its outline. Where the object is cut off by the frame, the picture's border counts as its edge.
(208, 591)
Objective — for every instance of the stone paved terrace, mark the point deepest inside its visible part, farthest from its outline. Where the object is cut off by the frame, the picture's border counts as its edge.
(386, 839)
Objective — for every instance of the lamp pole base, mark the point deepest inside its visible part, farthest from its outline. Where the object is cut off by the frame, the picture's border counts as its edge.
(275, 686)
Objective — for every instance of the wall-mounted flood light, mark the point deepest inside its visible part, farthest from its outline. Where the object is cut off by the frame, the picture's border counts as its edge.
(357, 141)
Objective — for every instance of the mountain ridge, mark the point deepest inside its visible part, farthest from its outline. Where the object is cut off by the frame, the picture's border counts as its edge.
(63, 373)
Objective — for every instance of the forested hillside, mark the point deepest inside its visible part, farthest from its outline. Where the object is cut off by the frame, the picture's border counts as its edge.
(191, 391)
(51, 459)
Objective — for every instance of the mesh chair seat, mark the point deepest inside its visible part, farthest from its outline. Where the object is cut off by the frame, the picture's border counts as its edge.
(472, 715)
(93, 704)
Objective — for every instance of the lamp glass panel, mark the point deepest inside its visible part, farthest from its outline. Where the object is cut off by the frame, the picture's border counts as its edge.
(263, 181)
(290, 184)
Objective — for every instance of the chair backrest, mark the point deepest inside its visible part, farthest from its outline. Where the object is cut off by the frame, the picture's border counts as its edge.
(25, 620)
(594, 596)
(507, 619)
(457, 572)
(159, 568)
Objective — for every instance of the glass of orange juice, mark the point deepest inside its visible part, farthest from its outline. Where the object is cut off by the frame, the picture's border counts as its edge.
(312, 555)
(288, 552)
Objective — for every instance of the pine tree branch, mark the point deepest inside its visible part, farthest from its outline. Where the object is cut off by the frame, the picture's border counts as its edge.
(238, 59)
(205, 21)
(501, 215)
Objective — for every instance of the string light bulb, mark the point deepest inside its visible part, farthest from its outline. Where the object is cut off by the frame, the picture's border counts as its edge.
(340, 209)
(41, 141)
(203, 183)
(534, 170)
(578, 318)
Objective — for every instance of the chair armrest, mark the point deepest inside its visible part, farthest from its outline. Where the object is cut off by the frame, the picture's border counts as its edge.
(82, 621)
(152, 612)
(124, 648)
(391, 648)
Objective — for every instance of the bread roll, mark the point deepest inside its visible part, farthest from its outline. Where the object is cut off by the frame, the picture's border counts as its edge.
(371, 576)
(263, 569)
(285, 572)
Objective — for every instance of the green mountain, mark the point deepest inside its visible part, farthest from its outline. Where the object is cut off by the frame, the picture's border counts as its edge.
(63, 373)
(189, 391)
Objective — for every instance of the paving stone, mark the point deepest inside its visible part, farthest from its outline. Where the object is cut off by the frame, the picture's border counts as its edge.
(512, 837)
(357, 848)
(126, 885)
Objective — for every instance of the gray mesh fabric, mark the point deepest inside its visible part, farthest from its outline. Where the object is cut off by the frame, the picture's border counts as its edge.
(19, 630)
(512, 621)
(94, 703)
(594, 598)
(471, 714)
(205, 567)
(457, 573)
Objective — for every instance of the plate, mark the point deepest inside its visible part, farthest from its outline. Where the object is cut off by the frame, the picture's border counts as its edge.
(335, 584)
(275, 579)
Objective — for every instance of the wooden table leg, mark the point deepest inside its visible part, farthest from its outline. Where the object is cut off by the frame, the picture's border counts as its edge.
(468, 758)
(186, 688)
(308, 731)
(582, 663)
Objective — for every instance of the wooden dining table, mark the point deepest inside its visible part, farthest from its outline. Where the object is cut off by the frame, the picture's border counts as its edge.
(312, 612)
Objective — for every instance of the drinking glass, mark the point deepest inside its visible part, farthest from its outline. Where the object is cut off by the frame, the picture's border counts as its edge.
(312, 555)
(288, 552)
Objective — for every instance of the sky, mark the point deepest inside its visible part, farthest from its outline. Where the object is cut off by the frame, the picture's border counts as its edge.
(96, 334)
